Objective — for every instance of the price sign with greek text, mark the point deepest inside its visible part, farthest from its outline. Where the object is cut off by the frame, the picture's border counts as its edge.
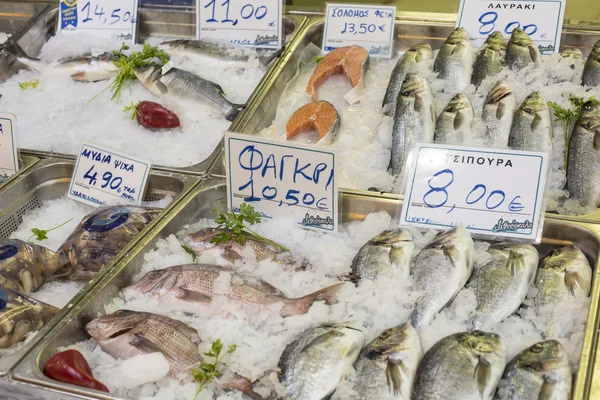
(9, 159)
(103, 17)
(256, 23)
(104, 176)
(497, 193)
(542, 20)
(369, 26)
(283, 179)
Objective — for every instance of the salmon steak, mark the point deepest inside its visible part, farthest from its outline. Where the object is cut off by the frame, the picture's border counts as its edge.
(352, 61)
(320, 116)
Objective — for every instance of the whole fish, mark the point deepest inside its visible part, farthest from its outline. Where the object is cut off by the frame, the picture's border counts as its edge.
(491, 59)
(454, 62)
(502, 283)
(584, 156)
(184, 84)
(591, 71)
(387, 366)
(573, 56)
(441, 269)
(388, 254)
(455, 124)
(522, 51)
(498, 114)
(192, 286)
(414, 119)
(85, 68)
(318, 359)
(465, 366)
(416, 58)
(24, 267)
(540, 372)
(532, 127)
(19, 315)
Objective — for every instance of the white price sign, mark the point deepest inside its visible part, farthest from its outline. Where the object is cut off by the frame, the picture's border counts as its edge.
(256, 23)
(9, 159)
(102, 176)
(542, 20)
(282, 179)
(496, 193)
(369, 26)
(103, 17)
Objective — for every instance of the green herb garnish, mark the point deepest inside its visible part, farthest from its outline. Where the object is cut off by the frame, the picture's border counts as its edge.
(208, 371)
(132, 109)
(190, 252)
(29, 84)
(42, 234)
(318, 59)
(236, 223)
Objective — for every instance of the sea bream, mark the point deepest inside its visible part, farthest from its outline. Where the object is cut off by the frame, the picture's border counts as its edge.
(591, 71)
(498, 114)
(320, 116)
(85, 68)
(455, 124)
(573, 56)
(532, 126)
(454, 62)
(522, 51)
(491, 58)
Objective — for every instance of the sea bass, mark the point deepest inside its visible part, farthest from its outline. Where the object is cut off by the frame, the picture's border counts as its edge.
(591, 71)
(454, 62)
(86, 68)
(387, 254)
(522, 51)
(498, 114)
(532, 126)
(318, 359)
(441, 269)
(491, 59)
(455, 124)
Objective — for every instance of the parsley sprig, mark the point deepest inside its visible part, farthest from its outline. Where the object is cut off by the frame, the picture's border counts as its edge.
(318, 59)
(42, 234)
(189, 251)
(132, 109)
(29, 84)
(209, 371)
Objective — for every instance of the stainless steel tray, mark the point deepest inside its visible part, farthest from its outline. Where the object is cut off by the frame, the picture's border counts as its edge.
(49, 179)
(24, 163)
(212, 194)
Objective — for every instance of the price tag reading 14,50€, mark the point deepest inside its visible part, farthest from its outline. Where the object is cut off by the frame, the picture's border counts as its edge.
(103, 17)
(497, 193)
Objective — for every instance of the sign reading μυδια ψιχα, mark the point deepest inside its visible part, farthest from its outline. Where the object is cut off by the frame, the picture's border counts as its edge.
(9, 158)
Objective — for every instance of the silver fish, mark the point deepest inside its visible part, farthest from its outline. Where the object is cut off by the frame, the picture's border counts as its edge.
(573, 56)
(414, 119)
(584, 156)
(454, 62)
(498, 114)
(85, 68)
(491, 59)
(591, 71)
(317, 360)
(387, 366)
(455, 124)
(465, 366)
(522, 51)
(441, 269)
(540, 372)
(532, 127)
(187, 85)
(416, 58)
(387, 254)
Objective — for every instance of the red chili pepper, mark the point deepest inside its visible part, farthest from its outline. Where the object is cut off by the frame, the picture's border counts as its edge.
(71, 367)
(154, 116)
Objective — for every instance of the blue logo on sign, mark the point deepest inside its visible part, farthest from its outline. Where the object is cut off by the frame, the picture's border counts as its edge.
(8, 250)
(97, 224)
(68, 11)
(3, 299)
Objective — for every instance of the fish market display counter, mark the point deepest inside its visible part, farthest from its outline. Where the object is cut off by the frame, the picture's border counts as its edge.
(24, 163)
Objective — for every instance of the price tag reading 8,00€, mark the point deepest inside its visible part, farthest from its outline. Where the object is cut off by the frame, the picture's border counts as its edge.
(103, 17)
(493, 193)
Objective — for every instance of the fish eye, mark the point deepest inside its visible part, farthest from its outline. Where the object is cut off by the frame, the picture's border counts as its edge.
(154, 274)
(121, 313)
(588, 106)
(478, 333)
(385, 334)
(537, 348)
(406, 93)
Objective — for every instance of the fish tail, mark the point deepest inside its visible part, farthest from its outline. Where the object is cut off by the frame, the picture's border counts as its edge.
(328, 295)
(235, 111)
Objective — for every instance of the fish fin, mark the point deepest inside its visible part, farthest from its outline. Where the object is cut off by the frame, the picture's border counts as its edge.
(242, 384)
(261, 285)
(393, 376)
(451, 253)
(547, 389)
(572, 280)
(596, 142)
(533, 53)
(328, 295)
(459, 119)
(419, 103)
(537, 121)
(349, 278)
(500, 110)
(397, 255)
(321, 339)
(142, 343)
(191, 296)
(161, 87)
(514, 262)
(482, 374)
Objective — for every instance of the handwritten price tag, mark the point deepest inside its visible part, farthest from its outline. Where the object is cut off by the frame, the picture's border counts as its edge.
(9, 159)
(255, 23)
(283, 180)
(371, 27)
(103, 17)
(102, 175)
(496, 193)
(542, 20)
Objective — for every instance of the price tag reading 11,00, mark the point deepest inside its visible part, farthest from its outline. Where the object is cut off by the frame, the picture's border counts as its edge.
(103, 17)
(497, 193)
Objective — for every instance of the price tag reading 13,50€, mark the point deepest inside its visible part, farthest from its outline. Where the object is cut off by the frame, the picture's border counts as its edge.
(103, 17)
(254, 23)
(497, 193)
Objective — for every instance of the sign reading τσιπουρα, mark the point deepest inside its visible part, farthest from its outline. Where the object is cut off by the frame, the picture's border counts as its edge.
(256, 23)
(369, 26)
(103, 17)
(104, 176)
(542, 20)
(283, 180)
(9, 159)
(493, 193)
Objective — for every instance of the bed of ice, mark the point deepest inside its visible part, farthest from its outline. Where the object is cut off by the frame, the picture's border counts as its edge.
(4, 37)
(374, 305)
(58, 115)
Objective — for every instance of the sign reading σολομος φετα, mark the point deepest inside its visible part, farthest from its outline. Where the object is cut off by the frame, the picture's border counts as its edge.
(283, 180)
(369, 26)
(256, 23)
(9, 159)
(493, 193)
(103, 176)
(542, 20)
(102, 17)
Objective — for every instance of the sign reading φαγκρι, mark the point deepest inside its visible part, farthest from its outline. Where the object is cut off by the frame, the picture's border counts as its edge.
(103, 17)
(542, 20)
(369, 26)
(493, 193)
(283, 180)
(103, 176)
(9, 159)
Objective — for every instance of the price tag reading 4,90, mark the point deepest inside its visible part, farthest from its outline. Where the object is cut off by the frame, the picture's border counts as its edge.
(496, 193)
(104, 17)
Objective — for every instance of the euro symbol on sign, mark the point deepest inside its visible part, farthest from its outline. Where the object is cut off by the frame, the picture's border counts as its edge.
(382, 28)
(272, 23)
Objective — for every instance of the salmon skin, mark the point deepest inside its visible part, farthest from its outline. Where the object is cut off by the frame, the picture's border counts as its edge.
(352, 61)
(320, 116)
